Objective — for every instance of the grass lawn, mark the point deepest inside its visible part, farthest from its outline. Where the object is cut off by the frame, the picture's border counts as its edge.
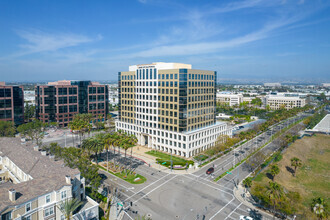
(201, 157)
(162, 157)
(312, 179)
(129, 178)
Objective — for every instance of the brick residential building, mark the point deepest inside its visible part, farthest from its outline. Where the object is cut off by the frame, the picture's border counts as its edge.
(60, 101)
(11, 103)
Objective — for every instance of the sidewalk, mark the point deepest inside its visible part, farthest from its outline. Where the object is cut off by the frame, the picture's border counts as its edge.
(114, 212)
(246, 198)
(139, 152)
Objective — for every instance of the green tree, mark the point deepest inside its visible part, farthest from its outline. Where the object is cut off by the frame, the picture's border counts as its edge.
(128, 141)
(77, 158)
(274, 170)
(33, 130)
(29, 112)
(247, 182)
(274, 192)
(94, 145)
(7, 129)
(319, 207)
(295, 162)
(82, 124)
(256, 101)
(68, 206)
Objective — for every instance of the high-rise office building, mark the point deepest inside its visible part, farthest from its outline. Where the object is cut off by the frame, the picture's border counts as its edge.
(60, 101)
(169, 107)
(11, 103)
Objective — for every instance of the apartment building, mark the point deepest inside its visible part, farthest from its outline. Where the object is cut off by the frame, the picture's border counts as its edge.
(229, 99)
(33, 184)
(11, 103)
(60, 101)
(169, 107)
(277, 102)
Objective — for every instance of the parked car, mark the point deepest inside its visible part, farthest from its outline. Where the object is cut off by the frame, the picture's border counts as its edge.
(210, 170)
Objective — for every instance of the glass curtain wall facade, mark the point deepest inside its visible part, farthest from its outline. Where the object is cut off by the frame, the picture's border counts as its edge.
(60, 102)
(12, 104)
(164, 103)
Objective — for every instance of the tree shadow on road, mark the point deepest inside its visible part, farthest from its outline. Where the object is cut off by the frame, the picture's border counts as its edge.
(255, 214)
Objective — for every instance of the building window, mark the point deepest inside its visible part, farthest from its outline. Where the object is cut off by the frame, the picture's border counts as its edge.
(63, 194)
(48, 199)
(28, 207)
(49, 211)
(27, 218)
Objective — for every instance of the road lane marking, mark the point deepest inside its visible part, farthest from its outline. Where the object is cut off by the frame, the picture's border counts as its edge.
(148, 186)
(211, 181)
(212, 186)
(155, 189)
(221, 209)
(233, 211)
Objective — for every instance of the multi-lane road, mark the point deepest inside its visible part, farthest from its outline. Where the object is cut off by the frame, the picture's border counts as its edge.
(194, 195)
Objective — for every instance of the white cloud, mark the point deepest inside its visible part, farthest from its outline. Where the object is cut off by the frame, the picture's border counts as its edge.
(38, 41)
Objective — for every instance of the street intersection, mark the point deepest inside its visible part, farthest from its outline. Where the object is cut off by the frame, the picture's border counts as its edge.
(194, 194)
(190, 194)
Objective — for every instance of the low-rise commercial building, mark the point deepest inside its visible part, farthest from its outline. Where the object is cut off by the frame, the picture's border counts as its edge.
(32, 185)
(229, 99)
(277, 102)
(60, 101)
(11, 103)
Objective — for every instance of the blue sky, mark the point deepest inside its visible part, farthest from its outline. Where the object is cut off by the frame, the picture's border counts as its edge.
(244, 39)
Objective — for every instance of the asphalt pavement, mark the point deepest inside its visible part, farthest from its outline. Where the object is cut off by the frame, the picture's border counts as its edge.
(191, 195)
(195, 195)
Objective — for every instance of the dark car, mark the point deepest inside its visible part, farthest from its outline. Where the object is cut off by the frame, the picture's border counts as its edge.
(210, 170)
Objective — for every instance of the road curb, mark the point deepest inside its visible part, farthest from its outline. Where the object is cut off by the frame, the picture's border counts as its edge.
(250, 205)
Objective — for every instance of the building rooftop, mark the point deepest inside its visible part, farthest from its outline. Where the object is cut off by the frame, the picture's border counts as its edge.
(69, 83)
(160, 66)
(47, 174)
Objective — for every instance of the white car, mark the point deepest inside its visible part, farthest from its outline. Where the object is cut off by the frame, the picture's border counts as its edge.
(242, 217)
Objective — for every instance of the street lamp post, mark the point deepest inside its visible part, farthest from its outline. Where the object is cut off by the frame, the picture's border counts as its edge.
(171, 161)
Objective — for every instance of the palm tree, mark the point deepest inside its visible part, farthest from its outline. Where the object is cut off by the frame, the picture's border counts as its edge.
(68, 207)
(247, 182)
(128, 141)
(274, 191)
(318, 208)
(72, 126)
(274, 170)
(107, 142)
(295, 162)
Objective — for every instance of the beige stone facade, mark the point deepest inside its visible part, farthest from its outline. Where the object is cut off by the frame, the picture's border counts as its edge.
(277, 102)
(164, 103)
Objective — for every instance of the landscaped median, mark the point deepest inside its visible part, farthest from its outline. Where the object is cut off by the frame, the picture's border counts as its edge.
(165, 160)
(242, 161)
(127, 175)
